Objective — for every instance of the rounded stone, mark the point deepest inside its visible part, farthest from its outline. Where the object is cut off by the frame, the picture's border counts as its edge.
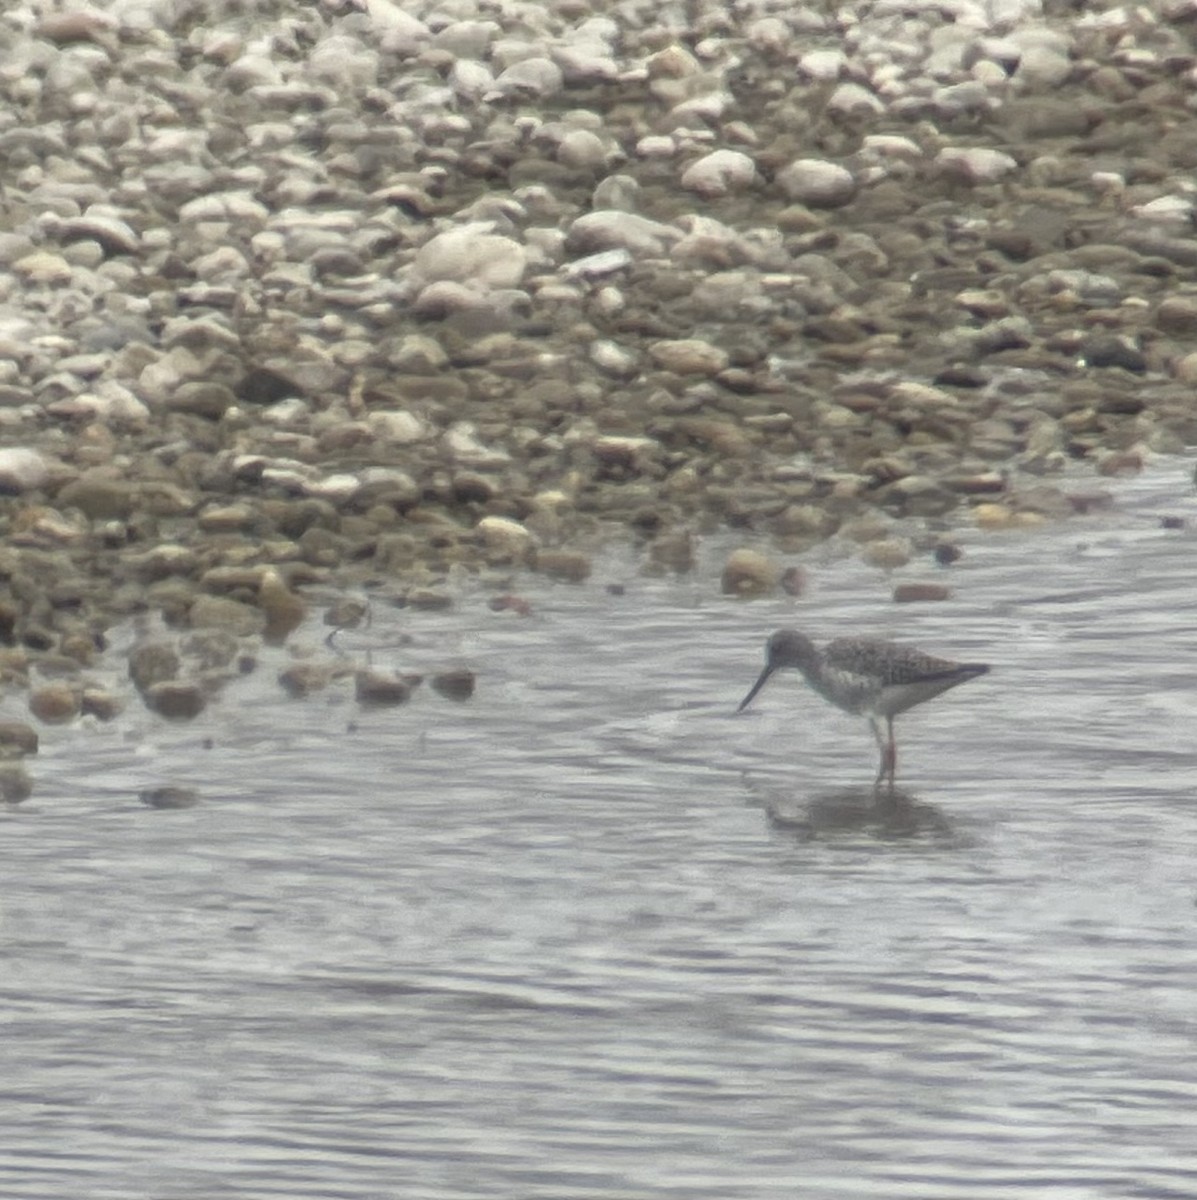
(222, 612)
(505, 538)
(17, 739)
(153, 662)
(719, 173)
(468, 255)
(55, 703)
(284, 610)
(175, 699)
(383, 688)
(817, 183)
(749, 573)
(454, 685)
(15, 783)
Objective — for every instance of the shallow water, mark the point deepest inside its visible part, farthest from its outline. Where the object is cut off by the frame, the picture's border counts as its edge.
(593, 935)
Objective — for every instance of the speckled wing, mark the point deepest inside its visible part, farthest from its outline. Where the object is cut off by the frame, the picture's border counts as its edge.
(865, 676)
(885, 664)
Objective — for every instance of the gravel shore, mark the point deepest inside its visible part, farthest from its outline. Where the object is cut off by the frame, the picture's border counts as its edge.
(361, 294)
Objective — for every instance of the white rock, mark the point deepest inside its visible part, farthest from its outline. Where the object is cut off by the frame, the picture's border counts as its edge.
(467, 38)
(1042, 67)
(688, 356)
(768, 33)
(470, 255)
(612, 229)
(823, 65)
(817, 183)
(461, 440)
(251, 70)
(720, 172)
(852, 99)
(582, 148)
(240, 206)
(21, 469)
(976, 164)
(469, 78)
(333, 487)
(1169, 210)
(43, 267)
(503, 536)
(531, 76)
(891, 145)
(400, 428)
(594, 266)
(445, 297)
(614, 359)
(586, 62)
(343, 60)
(656, 145)
(401, 32)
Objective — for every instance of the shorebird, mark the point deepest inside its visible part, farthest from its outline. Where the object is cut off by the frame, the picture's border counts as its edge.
(865, 677)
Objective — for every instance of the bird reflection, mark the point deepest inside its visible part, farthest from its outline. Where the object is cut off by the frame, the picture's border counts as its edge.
(853, 812)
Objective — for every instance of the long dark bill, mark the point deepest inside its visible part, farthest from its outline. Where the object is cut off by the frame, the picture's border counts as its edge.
(756, 687)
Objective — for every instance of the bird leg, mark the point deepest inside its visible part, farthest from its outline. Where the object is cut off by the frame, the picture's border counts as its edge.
(889, 753)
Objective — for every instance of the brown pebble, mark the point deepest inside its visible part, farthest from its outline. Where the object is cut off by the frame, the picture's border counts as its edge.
(176, 700)
(17, 739)
(302, 679)
(563, 564)
(915, 593)
(455, 685)
(15, 783)
(429, 599)
(793, 581)
(674, 551)
(284, 610)
(99, 703)
(510, 603)
(382, 687)
(55, 703)
(152, 662)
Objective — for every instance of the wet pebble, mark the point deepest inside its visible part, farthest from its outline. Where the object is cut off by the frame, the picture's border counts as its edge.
(56, 703)
(175, 699)
(169, 796)
(749, 573)
(17, 739)
(377, 688)
(454, 685)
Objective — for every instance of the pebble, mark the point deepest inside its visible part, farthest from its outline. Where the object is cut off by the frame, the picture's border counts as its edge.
(55, 703)
(920, 593)
(17, 739)
(176, 699)
(383, 688)
(506, 539)
(454, 685)
(284, 610)
(719, 173)
(15, 783)
(749, 573)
